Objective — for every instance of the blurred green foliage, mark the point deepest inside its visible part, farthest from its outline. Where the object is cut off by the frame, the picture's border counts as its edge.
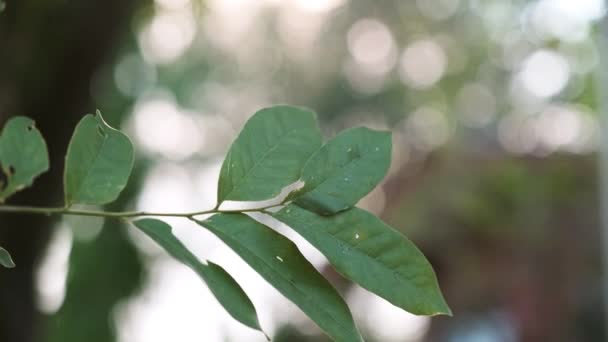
(497, 205)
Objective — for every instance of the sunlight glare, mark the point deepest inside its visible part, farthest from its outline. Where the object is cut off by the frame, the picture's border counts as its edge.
(545, 73)
(386, 321)
(423, 63)
(161, 127)
(371, 44)
(51, 275)
(167, 36)
(318, 6)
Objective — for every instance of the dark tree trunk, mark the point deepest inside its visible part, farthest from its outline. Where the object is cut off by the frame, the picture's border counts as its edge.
(50, 52)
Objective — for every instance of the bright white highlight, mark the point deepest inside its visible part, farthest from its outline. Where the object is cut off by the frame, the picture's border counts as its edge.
(566, 19)
(386, 321)
(423, 63)
(318, 6)
(51, 275)
(161, 127)
(545, 73)
(167, 36)
(371, 44)
(560, 127)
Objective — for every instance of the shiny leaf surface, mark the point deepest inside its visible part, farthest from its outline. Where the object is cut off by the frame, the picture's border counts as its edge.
(344, 170)
(366, 250)
(279, 261)
(98, 162)
(268, 154)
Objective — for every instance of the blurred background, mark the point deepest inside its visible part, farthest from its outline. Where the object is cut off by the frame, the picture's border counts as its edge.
(494, 110)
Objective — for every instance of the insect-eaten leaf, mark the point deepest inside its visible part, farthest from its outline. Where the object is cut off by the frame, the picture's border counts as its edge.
(344, 170)
(366, 250)
(23, 156)
(5, 259)
(222, 285)
(98, 163)
(279, 261)
(268, 154)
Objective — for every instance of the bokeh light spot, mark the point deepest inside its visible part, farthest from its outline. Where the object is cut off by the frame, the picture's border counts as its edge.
(422, 64)
(545, 73)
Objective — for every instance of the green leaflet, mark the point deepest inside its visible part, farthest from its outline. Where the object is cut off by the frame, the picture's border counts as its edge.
(222, 285)
(23, 155)
(268, 154)
(344, 170)
(98, 162)
(279, 261)
(364, 249)
(277, 146)
(5, 259)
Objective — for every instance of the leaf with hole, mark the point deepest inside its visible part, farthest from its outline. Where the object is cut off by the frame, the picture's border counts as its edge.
(344, 170)
(5, 259)
(268, 154)
(366, 250)
(279, 261)
(23, 155)
(222, 285)
(98, 162)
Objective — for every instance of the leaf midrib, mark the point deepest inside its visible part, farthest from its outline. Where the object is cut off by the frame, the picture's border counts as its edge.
(256, 163)
(360, 253)
(97, 154)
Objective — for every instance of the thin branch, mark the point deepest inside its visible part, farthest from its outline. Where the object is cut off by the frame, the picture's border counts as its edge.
(115, 214)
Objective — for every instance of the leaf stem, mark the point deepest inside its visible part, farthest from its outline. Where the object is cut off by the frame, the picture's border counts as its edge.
(113, 214)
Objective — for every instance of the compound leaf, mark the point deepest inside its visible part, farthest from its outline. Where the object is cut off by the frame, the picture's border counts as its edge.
(98, 162)
(23, 155)
(222, 285)
(5, 259)
(268, 154)
(344, 170)
(366, 250)
(279, 261)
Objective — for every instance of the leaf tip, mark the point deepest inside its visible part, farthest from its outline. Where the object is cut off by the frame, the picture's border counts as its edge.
(257, 326)
(442, 309)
